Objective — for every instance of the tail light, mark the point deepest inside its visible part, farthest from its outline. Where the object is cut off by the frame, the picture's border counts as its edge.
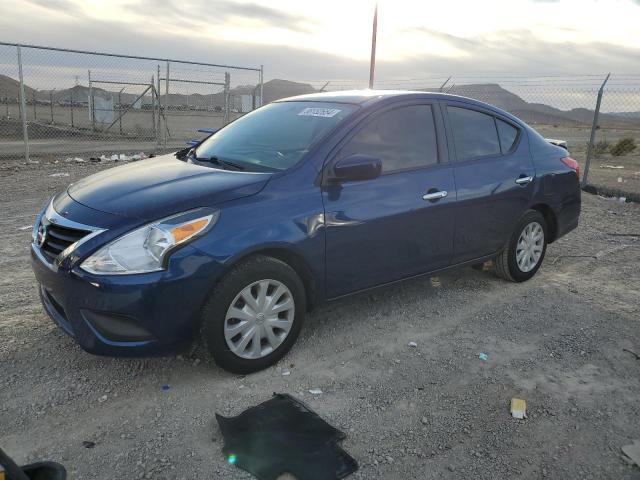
(572, 164)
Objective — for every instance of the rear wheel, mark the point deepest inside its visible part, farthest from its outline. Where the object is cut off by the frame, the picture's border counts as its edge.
(522, 256)
(254, 315)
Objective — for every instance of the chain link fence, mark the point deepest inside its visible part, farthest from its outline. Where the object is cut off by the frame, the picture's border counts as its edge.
(87, 104)
(558, 107)
(58, 102)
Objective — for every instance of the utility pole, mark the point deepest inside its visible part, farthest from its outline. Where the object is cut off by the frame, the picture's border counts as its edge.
(372, 66)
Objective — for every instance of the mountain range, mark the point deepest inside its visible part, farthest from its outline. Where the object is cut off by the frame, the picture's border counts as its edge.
(275, 89)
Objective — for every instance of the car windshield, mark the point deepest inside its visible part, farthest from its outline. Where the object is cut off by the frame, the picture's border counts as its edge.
(274, 137)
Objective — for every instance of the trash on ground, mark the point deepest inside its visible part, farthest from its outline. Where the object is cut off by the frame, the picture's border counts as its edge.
(315, 391)
(622, 199)
(59, 174)
(102, 399)
(95, 159)
(114, 157)
(633, 451)
(619, 179)
(412, 344)
(285, 372)
(518, 408)
(283, 435)
(165, 388)
(611, 166)
(483, 356)
(88, 444)
(26, 227)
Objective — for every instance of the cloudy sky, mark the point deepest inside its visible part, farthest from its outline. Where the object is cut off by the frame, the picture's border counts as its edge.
(330, 39)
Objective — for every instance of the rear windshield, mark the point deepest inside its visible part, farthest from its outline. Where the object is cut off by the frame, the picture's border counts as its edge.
(274, 137)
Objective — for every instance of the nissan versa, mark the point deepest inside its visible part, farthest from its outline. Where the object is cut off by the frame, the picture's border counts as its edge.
(304, 200)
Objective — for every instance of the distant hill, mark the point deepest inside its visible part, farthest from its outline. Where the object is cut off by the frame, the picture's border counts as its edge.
(634, 115)
(10, 88)
(491, 93)
(536, 112)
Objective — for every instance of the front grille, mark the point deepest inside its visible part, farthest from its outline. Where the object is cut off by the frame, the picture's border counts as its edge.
(59, 238)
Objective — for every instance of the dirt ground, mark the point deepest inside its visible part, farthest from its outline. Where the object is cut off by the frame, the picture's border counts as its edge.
(431, 411)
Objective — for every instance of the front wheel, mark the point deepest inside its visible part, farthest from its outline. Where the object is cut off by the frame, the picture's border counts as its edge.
(522, 256)
(254, 315)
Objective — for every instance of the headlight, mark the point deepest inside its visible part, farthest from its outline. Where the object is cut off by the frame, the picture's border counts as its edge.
(144, 250)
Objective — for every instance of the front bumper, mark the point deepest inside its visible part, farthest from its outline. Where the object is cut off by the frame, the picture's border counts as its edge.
(129, 315)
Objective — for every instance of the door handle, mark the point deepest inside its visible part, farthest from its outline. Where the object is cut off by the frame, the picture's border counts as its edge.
(524, 180)
(435, 195)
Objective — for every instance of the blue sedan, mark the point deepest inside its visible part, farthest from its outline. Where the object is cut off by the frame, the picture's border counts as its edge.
(305, 200)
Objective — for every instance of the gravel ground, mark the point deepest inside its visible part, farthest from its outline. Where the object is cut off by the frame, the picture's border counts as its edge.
(431, 411)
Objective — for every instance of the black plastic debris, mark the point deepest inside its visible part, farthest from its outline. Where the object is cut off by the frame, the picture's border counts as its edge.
(34, 471)
(283, 435)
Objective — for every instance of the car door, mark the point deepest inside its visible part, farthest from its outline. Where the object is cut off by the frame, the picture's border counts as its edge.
(400, 223)
(494, 175)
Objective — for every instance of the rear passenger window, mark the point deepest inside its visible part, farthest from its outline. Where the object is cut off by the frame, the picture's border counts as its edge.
(402, 138)
(508, 135)
(474, 133)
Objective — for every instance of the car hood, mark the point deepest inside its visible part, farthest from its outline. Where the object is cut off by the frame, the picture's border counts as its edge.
(161, 186)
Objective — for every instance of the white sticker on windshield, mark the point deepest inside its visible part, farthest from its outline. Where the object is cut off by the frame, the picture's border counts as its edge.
(319, 112)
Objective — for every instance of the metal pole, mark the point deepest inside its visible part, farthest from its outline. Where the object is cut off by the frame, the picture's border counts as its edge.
(372, 65)
(153, 109)
(120, 108)
(261, 85)
(594, 127)
(91, 105)
(166, 106)
(158, 113)
(445, 82)
(71, 107)
(23, 108)
(227, 81)
(51, 103)
(35, 111)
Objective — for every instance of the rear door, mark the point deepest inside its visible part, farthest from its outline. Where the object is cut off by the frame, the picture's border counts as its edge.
(383, 229)
(494, 175)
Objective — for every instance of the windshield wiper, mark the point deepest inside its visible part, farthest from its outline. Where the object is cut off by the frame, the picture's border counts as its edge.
(223, 163)
(215, 160)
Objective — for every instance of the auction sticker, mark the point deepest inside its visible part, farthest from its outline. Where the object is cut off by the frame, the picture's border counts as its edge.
(319, 112)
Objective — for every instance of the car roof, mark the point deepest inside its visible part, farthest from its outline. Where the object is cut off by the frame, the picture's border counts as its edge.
(369, 97)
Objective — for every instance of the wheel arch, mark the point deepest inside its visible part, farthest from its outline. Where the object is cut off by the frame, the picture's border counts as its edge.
(292, 258)
(550, 218)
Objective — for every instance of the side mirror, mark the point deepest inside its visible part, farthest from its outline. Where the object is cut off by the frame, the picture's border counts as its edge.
(357, 167)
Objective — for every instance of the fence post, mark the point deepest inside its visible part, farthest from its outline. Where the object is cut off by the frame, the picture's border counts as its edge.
(227, 84)
(120, 109)
(592, 137)
(51, 103)
(159, 105)
(442, 86)
(71, 105)
(23, 108)
(91, 105)
(166, 106)
(153, 108)
(261, 85)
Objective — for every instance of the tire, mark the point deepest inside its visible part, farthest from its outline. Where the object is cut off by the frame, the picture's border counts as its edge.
(252, 276)
(506, 263)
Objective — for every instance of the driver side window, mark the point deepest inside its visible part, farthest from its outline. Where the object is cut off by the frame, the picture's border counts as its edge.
(403, 138)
